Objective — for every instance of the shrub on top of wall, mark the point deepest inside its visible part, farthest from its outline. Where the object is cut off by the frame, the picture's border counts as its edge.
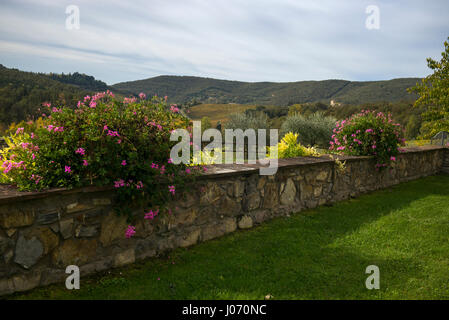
(369, 134)
(104, 141)
(290, 147)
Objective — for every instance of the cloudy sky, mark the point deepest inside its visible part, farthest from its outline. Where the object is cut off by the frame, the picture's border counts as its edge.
(248, 40)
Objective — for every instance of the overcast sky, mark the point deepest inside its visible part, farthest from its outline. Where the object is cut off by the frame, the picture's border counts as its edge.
(260, 40)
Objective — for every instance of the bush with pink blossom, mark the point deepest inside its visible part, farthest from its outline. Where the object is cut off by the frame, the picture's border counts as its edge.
(102, 141)
(369, 133)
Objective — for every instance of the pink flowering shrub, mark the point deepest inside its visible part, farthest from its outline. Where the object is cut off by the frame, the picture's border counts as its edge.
(102, 141)
(368, 134)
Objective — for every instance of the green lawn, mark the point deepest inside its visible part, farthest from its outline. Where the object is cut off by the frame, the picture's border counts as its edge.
(316, 254)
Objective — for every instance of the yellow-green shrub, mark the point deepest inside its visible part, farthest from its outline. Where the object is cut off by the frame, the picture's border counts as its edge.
(289, 147)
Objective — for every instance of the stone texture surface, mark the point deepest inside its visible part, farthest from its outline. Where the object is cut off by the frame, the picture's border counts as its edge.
(42, 233)
(288, 194)
(77, 252)
(85, 231)
(10, 218)
(113, 228)
(66, 228)
(245, 222)
(124, 258)
(28, 251)
(190, 239)
(46, 236)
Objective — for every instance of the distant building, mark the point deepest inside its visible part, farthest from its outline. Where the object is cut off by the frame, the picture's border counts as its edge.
(335, 104)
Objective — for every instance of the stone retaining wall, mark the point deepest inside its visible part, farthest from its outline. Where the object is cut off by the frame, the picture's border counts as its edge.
(42, 233)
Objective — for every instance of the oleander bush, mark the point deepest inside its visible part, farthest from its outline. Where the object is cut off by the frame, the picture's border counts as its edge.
(104, 141)
(369, 133)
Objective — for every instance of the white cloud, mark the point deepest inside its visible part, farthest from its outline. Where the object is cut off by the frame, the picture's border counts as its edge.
(253, 40)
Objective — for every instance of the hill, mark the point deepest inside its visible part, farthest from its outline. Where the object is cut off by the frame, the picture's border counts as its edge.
(183, 89)
(79, 79)
(22, 94)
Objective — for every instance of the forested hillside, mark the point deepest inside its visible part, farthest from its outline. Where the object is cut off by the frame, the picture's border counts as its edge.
(207, 90)
(82, 80)
(22, 93)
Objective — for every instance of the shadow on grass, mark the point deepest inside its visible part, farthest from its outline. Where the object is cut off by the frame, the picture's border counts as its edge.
(316, 254)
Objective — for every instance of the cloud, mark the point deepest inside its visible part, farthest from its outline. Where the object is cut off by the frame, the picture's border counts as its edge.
(239, 40)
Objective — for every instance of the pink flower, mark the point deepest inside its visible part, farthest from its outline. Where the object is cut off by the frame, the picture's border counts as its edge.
(68, 169)
(171, 189)
(119, 183)
(393, 158)
(169, 160)
(36, 178)
(187, 170)
(130, 231)
(113, 133)
(142, 95)
(19, 130)
(80, 151)
(151, 215)
(85, 163)
(33, 156)
(124, 163)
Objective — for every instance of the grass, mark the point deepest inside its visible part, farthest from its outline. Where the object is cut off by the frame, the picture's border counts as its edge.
(217, 112)
(316, 254)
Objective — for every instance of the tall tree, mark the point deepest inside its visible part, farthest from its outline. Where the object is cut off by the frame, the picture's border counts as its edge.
(433, 93)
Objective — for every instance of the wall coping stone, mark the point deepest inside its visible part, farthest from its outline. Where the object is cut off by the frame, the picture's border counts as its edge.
(9, 193)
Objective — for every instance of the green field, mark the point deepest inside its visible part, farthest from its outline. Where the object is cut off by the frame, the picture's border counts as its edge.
(217, 112)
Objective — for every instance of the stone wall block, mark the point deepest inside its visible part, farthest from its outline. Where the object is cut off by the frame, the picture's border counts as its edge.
(11, 217)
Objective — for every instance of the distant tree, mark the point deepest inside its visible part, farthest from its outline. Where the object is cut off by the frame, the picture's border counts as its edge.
(313, 130)
(205, 123)
(412, 127)
(294, 109)
(307, 108)
(433, 93)
(248, 121)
